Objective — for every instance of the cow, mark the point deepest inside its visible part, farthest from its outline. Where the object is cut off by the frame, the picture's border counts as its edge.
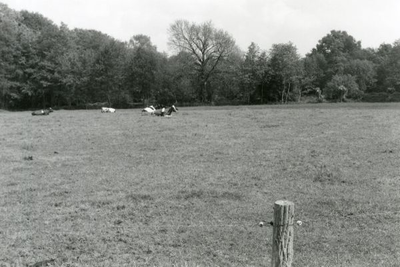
(149, 110)
(42, 112)
(107, 110)
(168, 114)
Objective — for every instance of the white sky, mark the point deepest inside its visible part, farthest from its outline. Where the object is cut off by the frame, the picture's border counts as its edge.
(265, 22)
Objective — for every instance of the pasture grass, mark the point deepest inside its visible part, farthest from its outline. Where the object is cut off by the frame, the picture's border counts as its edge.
(82, 188)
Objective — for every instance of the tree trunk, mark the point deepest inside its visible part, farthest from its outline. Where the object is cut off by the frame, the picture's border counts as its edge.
(262, 93)
(299, 99)
(109, 100)
(203, 92)
(43, 100)
(3, 99)
(287, 93)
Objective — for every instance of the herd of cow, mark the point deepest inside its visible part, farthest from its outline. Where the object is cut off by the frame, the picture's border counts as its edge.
(148, 110)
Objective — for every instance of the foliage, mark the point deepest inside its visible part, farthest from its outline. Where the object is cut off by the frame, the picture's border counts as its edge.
(142, 69)
(339, 59)
(363, 71)
(255, 73)
(342, 86)
(207, 45)
(286, 70)
(43, 64)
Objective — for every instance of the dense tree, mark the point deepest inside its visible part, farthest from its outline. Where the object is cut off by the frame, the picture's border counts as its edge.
(254, 74)
(286, 69)
(342, 86)
(391, 66)
(264, 74)
(42, 63)
(336, 44)
(336, 57)
(69, 69)
(382, 58)
(107, 72)
(12, 33)
(164, 91)
(315, 66)
(227, 79)
(250, 71)
(182, 78)
(142, 67)
(363, 71)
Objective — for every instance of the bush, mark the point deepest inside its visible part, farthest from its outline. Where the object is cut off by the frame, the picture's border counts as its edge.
(395, 97)
(375, 97)
(342, 86)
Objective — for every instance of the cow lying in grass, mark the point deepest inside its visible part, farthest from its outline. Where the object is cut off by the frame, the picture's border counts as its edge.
(169, 112)
(107, 110)
(149, 110)
(42, 112)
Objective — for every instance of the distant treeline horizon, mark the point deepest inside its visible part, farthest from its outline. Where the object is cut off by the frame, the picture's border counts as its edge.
(43, 64)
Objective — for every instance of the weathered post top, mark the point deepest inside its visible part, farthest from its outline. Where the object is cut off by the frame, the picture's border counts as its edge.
(284, 203)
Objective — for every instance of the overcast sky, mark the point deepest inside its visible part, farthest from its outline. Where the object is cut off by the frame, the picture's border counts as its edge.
(264, 22)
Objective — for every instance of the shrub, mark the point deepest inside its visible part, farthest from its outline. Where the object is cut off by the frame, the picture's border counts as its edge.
(375, 97)
(395, 97)
(342, 86)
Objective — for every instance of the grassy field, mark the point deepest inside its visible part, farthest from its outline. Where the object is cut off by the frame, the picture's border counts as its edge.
(82, 188)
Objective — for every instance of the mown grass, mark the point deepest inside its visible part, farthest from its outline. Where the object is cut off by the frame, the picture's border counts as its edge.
(81, 188)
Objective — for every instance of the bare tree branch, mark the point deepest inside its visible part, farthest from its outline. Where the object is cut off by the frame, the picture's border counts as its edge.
(209, 46)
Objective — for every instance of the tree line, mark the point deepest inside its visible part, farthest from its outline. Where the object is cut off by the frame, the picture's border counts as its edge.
(42, 65)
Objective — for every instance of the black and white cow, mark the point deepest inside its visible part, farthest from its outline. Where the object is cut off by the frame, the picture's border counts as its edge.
(42, 112)
(148, 110)
(169, 112)
(107, 110)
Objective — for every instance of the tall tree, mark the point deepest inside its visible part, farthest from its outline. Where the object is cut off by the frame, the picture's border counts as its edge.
(315, 66)
(142, 67)
(338, 55)
(382, 59)
(393, 67)
(264, 74)
(227, 80)
(250, 71)
(11, 33)
(69, 69)
(286, 68)
(107, 72)
(182, 78)
(42, 64)
(206, 44)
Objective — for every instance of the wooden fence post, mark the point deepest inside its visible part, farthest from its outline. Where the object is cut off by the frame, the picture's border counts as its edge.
(282, 239)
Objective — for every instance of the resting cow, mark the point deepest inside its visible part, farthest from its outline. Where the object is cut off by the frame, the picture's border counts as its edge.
(149, 110)
(42, 112)
(107, 110)
(168, 114)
